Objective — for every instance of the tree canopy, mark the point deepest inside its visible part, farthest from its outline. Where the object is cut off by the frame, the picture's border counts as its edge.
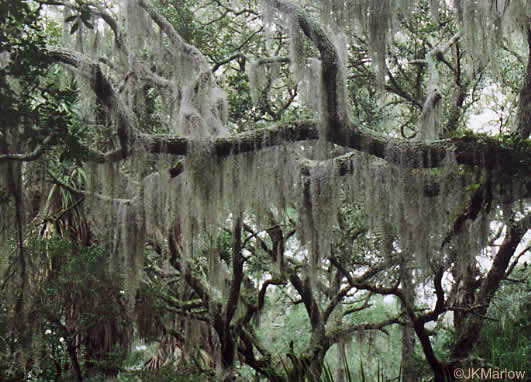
(170, 169)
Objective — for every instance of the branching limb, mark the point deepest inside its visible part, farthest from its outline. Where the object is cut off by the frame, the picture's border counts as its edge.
(76, 191)
(336, 299)
(404, 153)
(472, 326)
(337, 334)
(27, 157)
(440, 305)
(481, 200)
(178, 42)
(331, 75)
(515, 261)
(102, 87)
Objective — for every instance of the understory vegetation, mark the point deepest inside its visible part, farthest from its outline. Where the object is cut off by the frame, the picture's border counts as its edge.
(264, 190)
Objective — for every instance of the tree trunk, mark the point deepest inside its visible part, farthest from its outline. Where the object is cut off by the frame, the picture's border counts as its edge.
(227, 359)
(228, 346)
(523, 127)
(409, 373)
(71, 348)
(341, 360)
(465, 297)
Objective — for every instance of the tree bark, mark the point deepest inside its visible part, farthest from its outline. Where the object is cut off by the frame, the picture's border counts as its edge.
(523, 128)
(72, 352)
(408, 333)
(408, 351)
(222, 323)
(482, 151)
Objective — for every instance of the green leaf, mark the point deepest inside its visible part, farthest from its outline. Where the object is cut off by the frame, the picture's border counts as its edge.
(472, 187)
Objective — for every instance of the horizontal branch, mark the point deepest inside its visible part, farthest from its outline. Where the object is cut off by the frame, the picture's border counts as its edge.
(24, 157)
(484, 152)
(183, 305)
(351, 329)
(481, 151)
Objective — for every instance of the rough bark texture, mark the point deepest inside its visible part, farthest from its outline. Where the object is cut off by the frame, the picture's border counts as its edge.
(523, 128)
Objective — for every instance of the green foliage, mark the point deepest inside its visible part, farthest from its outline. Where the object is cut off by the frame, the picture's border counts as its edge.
(521, 149)
(74, 301)
(224, 246)
(504, 341)
(326, 374)
(239, 98)
(22, 45)
(180, 14)
(166, 374)
(371, 355)
(35, 109)
(81, 16)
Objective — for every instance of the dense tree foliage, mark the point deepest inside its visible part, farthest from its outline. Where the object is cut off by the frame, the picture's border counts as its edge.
(247, 188)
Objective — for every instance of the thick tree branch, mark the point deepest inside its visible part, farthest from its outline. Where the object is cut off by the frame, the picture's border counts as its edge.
(102, 87)
(305, 291)
(237, 271)
(481, 200)
(515, 261)
(473, 324)
(440, 306)
(481, 151)
(523, 127)
(470, 150)
(331, 74)
(337, 334)
(263, 365)
(182, 305)
(175, 38)
(26, 157)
